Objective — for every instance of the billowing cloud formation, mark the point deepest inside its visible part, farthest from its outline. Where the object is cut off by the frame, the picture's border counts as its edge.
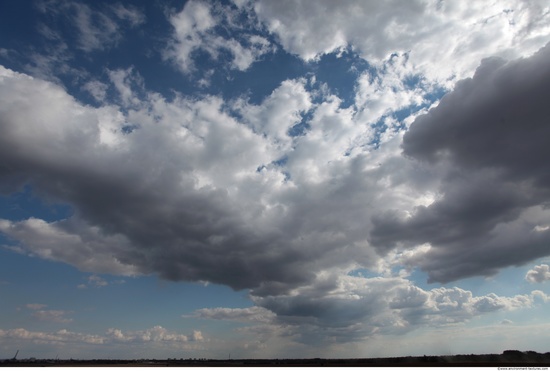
(538, 274)
(376, 30)
(487, 138)
(86, 248)
(353, 308)
(182, 188)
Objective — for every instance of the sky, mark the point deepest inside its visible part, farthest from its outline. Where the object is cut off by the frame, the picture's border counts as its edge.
(274, 179)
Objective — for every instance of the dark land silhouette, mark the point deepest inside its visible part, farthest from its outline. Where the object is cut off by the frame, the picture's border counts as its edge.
(509, 358)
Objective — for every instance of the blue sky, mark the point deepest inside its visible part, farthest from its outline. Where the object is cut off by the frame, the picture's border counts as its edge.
(273, 178)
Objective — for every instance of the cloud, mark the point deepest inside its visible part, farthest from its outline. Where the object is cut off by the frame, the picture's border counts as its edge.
(211, 180)
(83, 247)
(96, 29)
(190, 188)
(52, 316)
(96, 281)
(53, 61)
(252, 314)
(540, 295)
(181, 187)
(538, 274)
(485, 139)
(197, 28)
(286, 195)
(128, 13)
(126, 83)
(70, 27)
(377, 30)
(58, 338)
(154, 335)
(48, 315)
(382, 91)
(36, 306)
(97, 90)
(197, 336)
(237, 191)
(348, 309)
(279, 112)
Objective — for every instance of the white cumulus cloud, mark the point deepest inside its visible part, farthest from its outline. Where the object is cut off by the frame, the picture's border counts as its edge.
(539, 274)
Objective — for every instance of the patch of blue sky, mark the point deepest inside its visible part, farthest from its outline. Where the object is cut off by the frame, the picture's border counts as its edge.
(59, 286)
(30, 49)
(435, 94)
(281, 162)
(76, 291)
(340, 70)
(24, 204)
(303, 126)
(211, 75)
(412, 81)
(45, 282)
(380, 128)
(150, 295)
(18, 26)
(260, 79)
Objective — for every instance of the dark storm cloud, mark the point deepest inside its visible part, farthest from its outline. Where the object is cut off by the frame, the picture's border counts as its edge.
(491, 135)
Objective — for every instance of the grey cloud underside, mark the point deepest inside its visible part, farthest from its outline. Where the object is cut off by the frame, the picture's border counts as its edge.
(180, 196)
(193, 194)
(491, 136)
(346, 309)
